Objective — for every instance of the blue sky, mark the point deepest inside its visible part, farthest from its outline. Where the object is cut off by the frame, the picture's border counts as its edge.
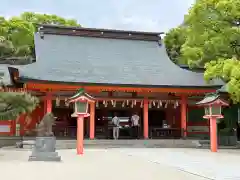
(142, 15)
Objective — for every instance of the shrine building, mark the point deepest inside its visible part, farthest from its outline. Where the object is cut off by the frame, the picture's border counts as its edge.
(126, 72)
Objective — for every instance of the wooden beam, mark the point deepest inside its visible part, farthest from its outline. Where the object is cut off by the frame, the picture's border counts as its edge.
(114, 98)
(59, 87)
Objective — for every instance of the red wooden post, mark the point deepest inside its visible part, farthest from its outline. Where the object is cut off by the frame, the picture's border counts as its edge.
(184, 115)
(22, 123)
(92, 120)
(80, 128)
(145, 119)
(13, 127)
(48, 103)
(213, 134)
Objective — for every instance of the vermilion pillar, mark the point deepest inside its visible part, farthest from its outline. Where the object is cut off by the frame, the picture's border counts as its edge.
(13, 127)
(145, 119)
(92, 120)
(213, 134)
(184, 115)
(48, 103)
(80, 128)
(21, 121)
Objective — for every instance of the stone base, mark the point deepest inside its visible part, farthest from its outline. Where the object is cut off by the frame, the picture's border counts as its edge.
(44, 150)
(45, 156)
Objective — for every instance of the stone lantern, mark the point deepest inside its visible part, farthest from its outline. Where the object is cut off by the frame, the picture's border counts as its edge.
(213, 104)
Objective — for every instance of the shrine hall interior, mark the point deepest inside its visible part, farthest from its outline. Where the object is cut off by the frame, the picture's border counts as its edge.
(164, 115)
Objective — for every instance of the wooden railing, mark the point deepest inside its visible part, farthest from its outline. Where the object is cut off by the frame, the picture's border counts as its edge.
(164, 133)
(68, 131)
(103, 132)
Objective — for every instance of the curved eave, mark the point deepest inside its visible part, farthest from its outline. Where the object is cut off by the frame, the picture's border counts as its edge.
(207, 100)
(25, 80)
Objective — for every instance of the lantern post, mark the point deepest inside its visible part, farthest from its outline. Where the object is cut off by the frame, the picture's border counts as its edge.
(212, 104)
(81, 102)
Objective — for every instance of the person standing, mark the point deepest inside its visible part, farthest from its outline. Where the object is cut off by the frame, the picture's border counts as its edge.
(115, 121)
(135, 125)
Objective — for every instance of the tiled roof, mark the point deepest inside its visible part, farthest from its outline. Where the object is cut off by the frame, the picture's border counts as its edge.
(81, 59)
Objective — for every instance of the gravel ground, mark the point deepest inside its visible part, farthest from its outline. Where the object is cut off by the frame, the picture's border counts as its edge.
(109, 164)
(223, 165)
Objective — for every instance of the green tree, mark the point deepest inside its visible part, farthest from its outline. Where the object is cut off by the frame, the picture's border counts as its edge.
(213, 40)
(17, 34)
(174, 40)
(12, 104)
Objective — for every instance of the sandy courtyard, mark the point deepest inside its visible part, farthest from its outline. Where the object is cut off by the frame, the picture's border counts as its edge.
(116, 164)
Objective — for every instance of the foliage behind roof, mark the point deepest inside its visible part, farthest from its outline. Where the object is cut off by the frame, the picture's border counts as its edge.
(4, 75)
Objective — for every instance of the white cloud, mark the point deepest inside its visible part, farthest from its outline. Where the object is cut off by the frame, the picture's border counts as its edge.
(152, 15)
(139, 23)
(159, 15)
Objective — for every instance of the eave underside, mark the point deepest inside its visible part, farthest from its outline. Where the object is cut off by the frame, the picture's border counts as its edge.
(45, 86)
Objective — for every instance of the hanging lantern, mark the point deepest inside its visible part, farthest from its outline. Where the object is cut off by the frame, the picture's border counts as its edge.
(132, 104)
(154, 103)
(160, 103)
(114, 103)
(106, 104)
(158, 106)
(123, 104)
(66, 102)
(141, 105)
(127, 102)
(97, 104)
(150, 105)
(166, 104)
(135, 102)
(177, 104)
(57, 101)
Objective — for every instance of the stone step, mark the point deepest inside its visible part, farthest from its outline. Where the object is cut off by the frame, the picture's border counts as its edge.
(163, 143)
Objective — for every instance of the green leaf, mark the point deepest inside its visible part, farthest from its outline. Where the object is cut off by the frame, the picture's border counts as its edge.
(13, 104)
(17, 34)
(212, 39)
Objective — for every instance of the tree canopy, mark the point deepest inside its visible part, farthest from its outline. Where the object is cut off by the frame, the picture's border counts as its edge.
(12, 104)
(17, 35)
(212, 39)
(174, 40)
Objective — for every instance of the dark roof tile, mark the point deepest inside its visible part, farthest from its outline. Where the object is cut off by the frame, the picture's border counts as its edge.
(107, 61)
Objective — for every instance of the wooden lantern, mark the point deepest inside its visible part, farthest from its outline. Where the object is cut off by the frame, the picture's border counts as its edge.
(212, 104)
(81, 102)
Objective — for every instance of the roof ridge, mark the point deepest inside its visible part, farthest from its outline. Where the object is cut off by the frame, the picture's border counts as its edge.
(101, 33)
(97, 29)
